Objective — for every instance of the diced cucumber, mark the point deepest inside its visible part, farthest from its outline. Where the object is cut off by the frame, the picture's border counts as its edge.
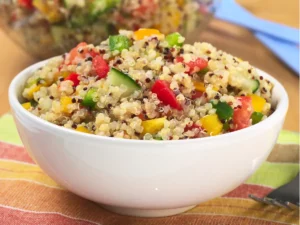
(88, 98)
(255, 85)
(119, 42)
(174, 39)
(117, 78)
(97, 7)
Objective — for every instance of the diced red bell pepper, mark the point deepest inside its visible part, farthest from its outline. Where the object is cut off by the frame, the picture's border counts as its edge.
(100, 66)
(74, 77)
(165, 94)
(26, 4)
(194, 66)
(197, 94)
(242, 114)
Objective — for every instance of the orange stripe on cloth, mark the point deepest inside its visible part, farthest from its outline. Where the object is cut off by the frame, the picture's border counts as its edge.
(247, 208)
(13, 170)
(10, 215)
(45, 218)
(29, 196)
(14, 152)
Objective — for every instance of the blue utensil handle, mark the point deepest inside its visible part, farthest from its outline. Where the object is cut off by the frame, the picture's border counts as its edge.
(230, 11)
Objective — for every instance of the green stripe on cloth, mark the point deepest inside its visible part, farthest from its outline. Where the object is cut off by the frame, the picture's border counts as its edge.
(274, 174)
(8, 130)
(288, 137)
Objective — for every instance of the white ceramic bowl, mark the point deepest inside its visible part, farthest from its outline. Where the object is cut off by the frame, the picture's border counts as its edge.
(146, 178)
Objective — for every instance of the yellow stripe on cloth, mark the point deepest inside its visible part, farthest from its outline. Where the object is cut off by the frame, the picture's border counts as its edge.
(246, 208)
(13, 170)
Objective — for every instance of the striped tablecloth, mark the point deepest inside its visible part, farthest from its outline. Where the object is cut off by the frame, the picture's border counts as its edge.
(29, 197)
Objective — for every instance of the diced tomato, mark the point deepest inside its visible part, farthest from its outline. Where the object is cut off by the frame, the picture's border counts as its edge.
(197, 94)
(74, 53)
(165, 94)
(100, 66)
(26, 4)
(242, 115)
(74, 77)
(179, 59)
(193, 66)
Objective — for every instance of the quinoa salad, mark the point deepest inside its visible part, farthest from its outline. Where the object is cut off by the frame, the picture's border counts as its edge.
(149, 86)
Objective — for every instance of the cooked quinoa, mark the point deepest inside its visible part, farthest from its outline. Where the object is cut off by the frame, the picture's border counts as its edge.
(145, 85)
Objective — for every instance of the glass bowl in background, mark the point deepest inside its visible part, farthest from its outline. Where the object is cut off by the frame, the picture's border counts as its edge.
(45, 28)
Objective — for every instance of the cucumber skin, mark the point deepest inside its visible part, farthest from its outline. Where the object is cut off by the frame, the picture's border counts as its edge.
(257, 86)
(117, 78)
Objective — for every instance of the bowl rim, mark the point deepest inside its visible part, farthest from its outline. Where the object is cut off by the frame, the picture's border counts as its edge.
(277, 115)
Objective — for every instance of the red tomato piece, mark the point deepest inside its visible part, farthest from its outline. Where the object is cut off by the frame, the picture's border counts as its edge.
(197, 94)
(26, 4)
(194, 66)
(100, 66)
(165, 94)
(74, 53)
(242, 115)
(74, 77)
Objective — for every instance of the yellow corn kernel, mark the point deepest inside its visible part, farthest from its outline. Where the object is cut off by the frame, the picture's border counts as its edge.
(26, 105)
(32, 90)
(153, 126)
(212, 124)
(258, 103)
(199, 86)
(83, 129)
(65, 101)
(142, 33)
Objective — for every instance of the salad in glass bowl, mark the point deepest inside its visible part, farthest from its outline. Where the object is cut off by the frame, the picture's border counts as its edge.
(47, 28)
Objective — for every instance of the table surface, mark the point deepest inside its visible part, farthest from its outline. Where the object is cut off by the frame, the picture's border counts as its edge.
(230, 38)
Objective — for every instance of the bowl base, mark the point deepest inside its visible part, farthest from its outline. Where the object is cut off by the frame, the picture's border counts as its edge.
(146, 212)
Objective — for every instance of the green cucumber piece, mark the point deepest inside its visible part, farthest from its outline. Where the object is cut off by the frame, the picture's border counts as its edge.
(88, 98)
(97, 7)
(117, 78)
(250, 84)
(255, 85)
(256, 117)
(119, 42)
(224, 111)
(173, 39)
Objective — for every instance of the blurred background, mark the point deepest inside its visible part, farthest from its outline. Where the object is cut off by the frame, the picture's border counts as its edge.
(31, 30)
